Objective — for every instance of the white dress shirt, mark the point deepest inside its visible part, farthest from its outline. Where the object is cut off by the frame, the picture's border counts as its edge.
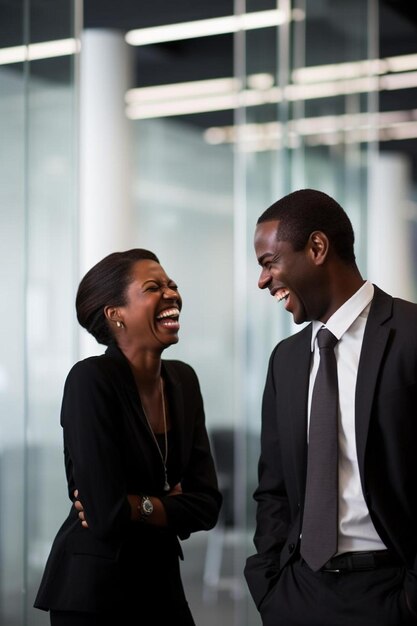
(356, 530)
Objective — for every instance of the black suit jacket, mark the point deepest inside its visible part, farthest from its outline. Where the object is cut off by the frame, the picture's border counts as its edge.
(386, 440)
(109, 452)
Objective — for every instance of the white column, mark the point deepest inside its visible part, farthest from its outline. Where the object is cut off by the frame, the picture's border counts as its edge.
(389, 213)
(106, 217)
(105, 151)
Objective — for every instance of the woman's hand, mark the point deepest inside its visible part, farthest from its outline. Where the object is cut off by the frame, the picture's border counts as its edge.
(159, 518)
(176, 490)
(78, 505)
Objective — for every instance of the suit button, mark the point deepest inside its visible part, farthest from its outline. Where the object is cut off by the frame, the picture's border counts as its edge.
(291, 548)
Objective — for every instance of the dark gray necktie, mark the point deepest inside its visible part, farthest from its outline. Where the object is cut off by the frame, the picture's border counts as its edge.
(320, 520)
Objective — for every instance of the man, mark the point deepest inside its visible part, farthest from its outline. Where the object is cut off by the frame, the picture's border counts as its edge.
(364, 572)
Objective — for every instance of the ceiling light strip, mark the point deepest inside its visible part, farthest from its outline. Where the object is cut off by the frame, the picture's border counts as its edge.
(41, 50)
(182, 107)
(328, 130)
(204, 28)
(402, 63)
(340, 71)
(180, 91)
(251, 97)
(180, 31)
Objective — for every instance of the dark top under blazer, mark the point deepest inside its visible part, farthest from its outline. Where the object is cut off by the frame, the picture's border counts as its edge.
(386, 438)
(110, 452)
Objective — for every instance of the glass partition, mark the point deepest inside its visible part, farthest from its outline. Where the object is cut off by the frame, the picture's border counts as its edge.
(266, 110)
(38, 258)
(201, 181)
(12, 341)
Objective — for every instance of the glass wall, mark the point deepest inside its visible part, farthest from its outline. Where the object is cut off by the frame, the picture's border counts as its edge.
(302, 102)
(201, 181)
(38, 259)
(305, 115)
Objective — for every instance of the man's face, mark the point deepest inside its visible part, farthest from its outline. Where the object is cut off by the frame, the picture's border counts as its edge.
(290, 276)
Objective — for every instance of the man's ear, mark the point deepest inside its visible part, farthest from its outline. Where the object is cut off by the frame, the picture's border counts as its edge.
(318, 246)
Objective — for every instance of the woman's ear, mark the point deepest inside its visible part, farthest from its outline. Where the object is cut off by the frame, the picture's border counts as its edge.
(319, 247)
(112, 314)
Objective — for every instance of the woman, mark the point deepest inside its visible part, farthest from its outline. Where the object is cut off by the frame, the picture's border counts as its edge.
(137, 456)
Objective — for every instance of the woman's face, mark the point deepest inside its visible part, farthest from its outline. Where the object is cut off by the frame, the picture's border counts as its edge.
(151, 313)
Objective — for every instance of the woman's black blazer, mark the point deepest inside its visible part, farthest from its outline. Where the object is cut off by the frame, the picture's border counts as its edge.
(109, 452)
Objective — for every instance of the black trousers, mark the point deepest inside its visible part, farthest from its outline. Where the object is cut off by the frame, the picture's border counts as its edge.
(140, 615)
(75, 618)
(301, 597)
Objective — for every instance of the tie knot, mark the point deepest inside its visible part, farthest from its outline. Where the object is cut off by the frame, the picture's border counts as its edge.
(326, 339)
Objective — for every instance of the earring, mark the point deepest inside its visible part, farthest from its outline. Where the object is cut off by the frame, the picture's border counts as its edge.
(119, 324)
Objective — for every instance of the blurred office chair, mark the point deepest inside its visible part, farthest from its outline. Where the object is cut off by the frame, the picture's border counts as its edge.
(224, 533)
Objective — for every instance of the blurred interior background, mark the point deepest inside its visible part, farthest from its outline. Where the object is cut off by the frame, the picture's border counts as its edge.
(172, 126)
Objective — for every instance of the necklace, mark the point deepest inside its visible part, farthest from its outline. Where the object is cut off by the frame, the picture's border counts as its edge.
(164, 457)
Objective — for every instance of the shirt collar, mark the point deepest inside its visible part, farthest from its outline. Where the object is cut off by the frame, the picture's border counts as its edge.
(345, 315)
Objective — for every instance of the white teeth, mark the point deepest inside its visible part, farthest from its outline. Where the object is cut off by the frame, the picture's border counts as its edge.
(174, 312)
(281, 295)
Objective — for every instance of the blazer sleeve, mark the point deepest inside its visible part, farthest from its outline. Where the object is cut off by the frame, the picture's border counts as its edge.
(89, 417)
(273, 511)
(198, 507)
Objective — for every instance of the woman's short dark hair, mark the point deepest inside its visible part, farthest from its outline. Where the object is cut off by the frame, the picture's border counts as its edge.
(105, 284)
(306, 210)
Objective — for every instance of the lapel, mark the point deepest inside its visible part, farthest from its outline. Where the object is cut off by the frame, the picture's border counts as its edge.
(126, 380)
(299, 372)
(373, 347)
(175, 399)
(173, 390)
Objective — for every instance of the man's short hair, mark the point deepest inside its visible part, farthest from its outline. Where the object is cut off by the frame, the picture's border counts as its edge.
(302, 212)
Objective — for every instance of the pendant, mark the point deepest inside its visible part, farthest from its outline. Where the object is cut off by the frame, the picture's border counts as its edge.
(166, 486)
